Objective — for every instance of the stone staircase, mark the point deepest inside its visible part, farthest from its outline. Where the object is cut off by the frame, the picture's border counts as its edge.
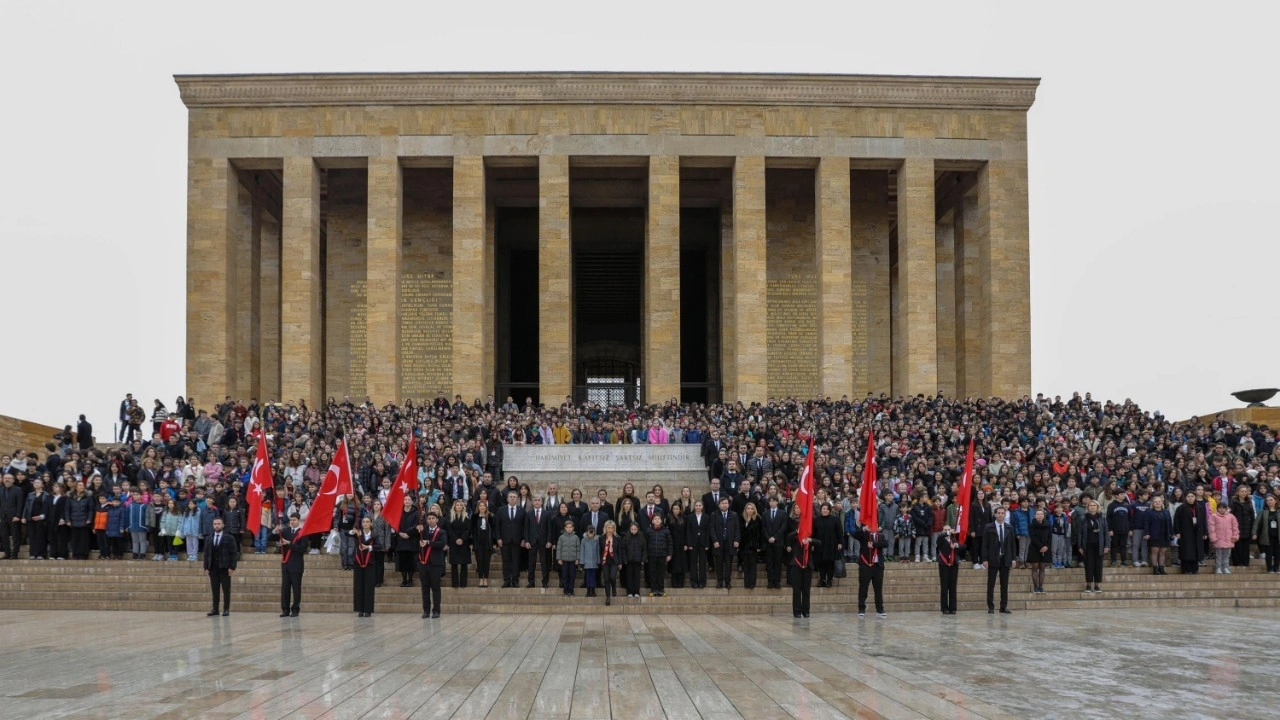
(182, 586)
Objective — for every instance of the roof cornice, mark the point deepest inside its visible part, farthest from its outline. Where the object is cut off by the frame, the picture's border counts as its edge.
(577, 88)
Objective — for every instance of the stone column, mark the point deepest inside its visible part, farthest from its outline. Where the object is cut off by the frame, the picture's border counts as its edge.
(1005, 276)
(944, 249)
(915, 364)
(470, 263)
(213, 197)
(243, 280)
(970, 364)
(555, 281)
(301, 326)
(872, 337)
(834, 264)
(661, 357)
(269, 308)
(382, 271)
(749, 295)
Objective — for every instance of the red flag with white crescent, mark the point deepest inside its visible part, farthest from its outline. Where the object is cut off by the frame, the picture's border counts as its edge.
(406, 485)
(964, 495)
(869, 495)
(320, 518)
(259, 482)
(804, 496)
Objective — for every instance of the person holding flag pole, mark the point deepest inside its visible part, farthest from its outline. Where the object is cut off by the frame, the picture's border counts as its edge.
(872, 542)
(949, 546)
(800, 542)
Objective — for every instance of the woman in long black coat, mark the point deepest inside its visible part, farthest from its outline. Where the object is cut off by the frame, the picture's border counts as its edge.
(482, 537)
(1242, 509)
(1190, 534)
(829, 534)
(459, 529)
(367, 547)
(679, 560)
(407, 544)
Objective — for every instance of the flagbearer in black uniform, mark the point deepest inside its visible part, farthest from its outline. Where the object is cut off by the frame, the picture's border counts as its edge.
(948, 551)
(366, 575)
(871, 568)
(800, 564)
(431, 564)
(220, 556)
(291, 566)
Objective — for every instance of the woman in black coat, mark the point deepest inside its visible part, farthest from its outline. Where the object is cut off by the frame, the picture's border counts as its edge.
(979, 517)
(830, 536)
(1242, 508)
(459, 529)
(679, 559)
(365, 577)
(752, 534)
(1190, 534)
(482, 538)
(407, 543)
(633, 559)
(1038, 552)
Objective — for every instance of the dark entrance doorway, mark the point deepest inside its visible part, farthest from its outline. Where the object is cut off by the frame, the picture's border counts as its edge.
(516, 298)
(608, 271)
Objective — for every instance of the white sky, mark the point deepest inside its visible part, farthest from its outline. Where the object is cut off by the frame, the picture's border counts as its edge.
(1152, 144)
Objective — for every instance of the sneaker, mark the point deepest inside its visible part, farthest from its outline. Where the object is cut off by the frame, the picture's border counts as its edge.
(882, 615)
(314, 552)
(977, 566)
(1228, 571)
(862, 614)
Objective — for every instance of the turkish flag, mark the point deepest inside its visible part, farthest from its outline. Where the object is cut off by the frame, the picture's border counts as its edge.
(963, 497)
(320, 518)
(259, 482)
(406, 485)
(868, 496)
(804, 497)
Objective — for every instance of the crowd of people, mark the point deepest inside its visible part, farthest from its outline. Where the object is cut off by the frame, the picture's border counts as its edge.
(1074, 481)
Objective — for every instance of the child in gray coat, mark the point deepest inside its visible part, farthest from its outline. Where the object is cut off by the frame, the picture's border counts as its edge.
(590, 558)
(568, 556)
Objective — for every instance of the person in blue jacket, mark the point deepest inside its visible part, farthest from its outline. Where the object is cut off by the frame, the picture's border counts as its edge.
(117, 527)
(1020, 517)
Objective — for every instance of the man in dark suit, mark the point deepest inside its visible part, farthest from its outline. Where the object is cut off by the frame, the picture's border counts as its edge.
(997, 557)
(220, 557)
(697, 531)
(594, 517)
(509, 523)
(711, 499)
(872, 546)
(724, 542)
(291, 566)
(775, 533)
(538, 541)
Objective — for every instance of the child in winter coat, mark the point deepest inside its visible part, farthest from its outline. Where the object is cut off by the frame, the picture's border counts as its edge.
(904, 530)
(590, 557)
(568, 555)
(1224, 531)
(191, 531)
(1060, 527)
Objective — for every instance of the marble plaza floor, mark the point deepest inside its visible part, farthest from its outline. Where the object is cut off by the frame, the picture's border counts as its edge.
(1113, 664)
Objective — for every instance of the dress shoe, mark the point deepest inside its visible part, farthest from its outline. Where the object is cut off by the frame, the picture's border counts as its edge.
(530, 585)
(795, 614)
(211, 613)
(1005, 612)
(991, 611)
(284, 614)
(435, 614)
(806, 615)
(426, 615)
(608, 600)
(226, 613)
(293, 614)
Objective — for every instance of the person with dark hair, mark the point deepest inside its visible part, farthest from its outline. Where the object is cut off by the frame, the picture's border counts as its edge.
(871, 552)
(947, 552)
(800, 566)
(432, 545)
(998, 553)
(364, 574)
(292, 565)
(1189, 533)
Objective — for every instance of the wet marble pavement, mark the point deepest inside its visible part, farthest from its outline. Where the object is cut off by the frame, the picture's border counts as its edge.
(1105, 664)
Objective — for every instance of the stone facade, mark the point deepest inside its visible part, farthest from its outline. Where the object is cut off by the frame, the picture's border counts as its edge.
(873, 233)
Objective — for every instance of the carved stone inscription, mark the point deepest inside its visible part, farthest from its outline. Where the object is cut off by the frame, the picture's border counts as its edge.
(426, 334)
(793, 336)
